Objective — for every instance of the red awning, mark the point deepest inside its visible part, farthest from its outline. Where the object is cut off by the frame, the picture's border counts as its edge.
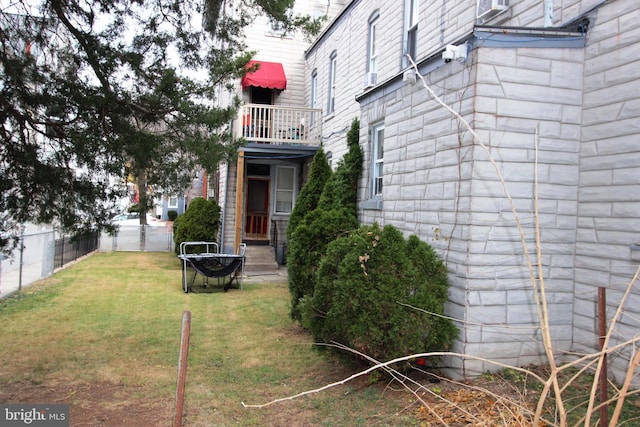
(270, 75)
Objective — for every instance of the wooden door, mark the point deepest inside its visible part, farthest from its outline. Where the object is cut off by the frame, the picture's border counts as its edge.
(256, 225)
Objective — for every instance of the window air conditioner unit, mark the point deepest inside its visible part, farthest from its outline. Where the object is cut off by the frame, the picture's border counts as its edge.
(369, 80)
(487, 9)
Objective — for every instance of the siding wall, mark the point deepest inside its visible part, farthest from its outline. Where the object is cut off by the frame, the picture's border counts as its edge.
(288, 50)
(609, 196)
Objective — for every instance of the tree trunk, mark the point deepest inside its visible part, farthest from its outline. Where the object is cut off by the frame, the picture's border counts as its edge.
(141, 181)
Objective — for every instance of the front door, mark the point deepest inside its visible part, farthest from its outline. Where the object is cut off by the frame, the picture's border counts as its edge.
(256, 224)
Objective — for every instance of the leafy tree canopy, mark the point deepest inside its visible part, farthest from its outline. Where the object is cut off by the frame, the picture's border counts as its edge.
(92, 91)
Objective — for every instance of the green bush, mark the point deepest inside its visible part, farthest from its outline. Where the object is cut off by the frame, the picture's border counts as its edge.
(200, 222)
(365, 284)
(341, 190)
(307, 200)
(172, 215)
(335, 214)
(307, 246)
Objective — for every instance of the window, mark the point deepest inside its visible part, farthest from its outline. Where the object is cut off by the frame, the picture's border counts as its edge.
(411, 29)
(277, 29)
(372, 51)
(314, 94)
(332, 83)
(377, 152)
(284, 189)
(173, 202)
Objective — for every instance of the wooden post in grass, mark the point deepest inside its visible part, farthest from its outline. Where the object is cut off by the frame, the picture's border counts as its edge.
(602, 326)
(182, 368)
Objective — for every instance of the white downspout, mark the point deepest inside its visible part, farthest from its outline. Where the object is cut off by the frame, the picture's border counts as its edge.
(548, 13)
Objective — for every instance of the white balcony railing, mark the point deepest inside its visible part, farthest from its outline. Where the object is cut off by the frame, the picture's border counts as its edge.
(274, 124)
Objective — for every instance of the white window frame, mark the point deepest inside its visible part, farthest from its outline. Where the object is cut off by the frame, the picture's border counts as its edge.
(277, 29)
(172, 205)
(330, 159)
(279, 190)
(410, 36)
(372, 47)
(333, 61)
(377, 159)
(314, 94)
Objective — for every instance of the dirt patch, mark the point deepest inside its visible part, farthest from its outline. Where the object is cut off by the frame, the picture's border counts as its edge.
(95, 404)
(475, 403)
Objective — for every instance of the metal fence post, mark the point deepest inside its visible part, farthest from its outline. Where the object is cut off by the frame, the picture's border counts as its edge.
(20, 266)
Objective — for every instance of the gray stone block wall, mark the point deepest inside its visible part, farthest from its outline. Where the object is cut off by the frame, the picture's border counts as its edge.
(446, 190)
(583, 104)
(609, 197)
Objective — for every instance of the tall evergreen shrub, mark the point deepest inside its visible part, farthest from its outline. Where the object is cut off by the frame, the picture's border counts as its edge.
(364, 284)
(341, 190)
(335, 215)
(307, 247)
(309, 196)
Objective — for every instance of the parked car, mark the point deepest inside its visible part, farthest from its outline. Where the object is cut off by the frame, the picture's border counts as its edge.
(133, 218)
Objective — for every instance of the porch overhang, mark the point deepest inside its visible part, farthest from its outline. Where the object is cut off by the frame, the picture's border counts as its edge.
(255, 151)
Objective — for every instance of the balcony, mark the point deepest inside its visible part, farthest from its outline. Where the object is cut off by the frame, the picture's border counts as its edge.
(274, 124)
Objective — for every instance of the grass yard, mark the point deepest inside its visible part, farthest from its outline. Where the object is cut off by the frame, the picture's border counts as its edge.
(103, 335)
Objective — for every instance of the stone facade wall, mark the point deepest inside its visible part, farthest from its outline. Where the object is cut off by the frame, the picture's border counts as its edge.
(566, 116)
(442, 187)
(554, 106)
(609, 197)
(527, 108)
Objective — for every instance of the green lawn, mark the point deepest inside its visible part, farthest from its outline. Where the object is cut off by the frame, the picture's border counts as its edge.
(103, 335)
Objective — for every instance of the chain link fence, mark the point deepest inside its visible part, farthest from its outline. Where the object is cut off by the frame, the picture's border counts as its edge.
(37, 256)
(138, 238)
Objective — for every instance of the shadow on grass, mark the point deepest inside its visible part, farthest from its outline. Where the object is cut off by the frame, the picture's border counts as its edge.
(212, 289)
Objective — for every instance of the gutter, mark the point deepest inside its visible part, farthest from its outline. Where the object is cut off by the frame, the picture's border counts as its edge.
(571, 36)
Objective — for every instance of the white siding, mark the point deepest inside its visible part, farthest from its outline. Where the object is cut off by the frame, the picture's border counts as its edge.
(288, 50)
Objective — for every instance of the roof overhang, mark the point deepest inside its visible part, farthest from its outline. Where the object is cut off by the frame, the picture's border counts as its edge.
(269, 75)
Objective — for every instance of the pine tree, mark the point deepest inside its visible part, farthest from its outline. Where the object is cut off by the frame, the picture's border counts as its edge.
(96, 89)
(342, 189)
(335, 214)
(319, 173)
